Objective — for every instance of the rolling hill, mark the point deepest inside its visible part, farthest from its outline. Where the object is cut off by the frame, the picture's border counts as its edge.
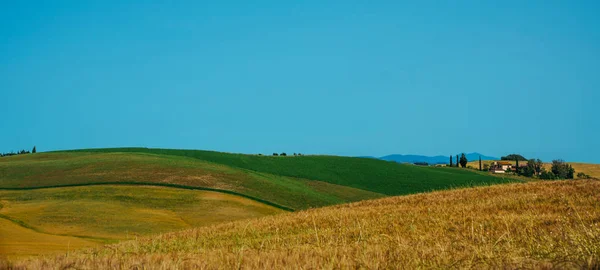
(295, 182)
(550, 224)
(57, 219)
(62, 195)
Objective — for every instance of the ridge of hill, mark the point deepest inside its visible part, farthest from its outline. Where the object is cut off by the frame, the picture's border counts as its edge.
(549, 224)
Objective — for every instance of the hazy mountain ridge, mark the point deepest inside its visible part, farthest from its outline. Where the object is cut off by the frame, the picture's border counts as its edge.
(432, 159)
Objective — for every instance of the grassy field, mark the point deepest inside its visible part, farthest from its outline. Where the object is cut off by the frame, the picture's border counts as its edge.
(17, 241)
(103, 214)
(549, 224)
(56, 169)
(362, 173)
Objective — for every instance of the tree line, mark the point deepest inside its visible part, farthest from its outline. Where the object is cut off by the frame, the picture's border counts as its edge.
(534, 168)
(284, 154)
(559, 170)
(22, 152)
(462, 161)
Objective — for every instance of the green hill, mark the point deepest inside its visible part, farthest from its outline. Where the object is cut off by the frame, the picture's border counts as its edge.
(81, 168)
(362, 173)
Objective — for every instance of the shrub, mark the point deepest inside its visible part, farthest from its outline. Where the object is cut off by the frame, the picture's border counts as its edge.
(275, 154)
(583, 176)
(283, 154)
(547, 175)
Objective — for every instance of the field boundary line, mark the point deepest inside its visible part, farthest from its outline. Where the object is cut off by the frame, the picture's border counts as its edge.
(156, 185)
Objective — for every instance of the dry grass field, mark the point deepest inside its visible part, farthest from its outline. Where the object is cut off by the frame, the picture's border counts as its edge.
(55, 219)
(18, 241)
(543, 224)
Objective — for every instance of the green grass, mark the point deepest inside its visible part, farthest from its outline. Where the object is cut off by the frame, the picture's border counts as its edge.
(361, 173)
(61, 169)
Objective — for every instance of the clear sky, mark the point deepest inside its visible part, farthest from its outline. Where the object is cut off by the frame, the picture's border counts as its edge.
(321, 77)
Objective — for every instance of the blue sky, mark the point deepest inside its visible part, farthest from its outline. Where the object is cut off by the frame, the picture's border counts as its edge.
(325, 77)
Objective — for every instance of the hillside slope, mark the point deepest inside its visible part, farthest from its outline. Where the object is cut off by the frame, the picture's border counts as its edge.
(534, 225)
(91, 215)
(79, 168)
(362, 173)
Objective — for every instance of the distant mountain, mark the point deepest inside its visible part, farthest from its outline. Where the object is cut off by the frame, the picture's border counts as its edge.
(434, 159)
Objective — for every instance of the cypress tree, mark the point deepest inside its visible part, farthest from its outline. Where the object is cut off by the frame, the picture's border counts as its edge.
(33, 151)
(451, 161)
(456, 160)
(480, 163)
(517, 170)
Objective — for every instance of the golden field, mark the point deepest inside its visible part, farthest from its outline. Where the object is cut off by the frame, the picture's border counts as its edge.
(53, 220)
(542, 224)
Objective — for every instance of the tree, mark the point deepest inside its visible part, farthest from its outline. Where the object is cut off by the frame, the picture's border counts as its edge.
(562, 170)
(33, 150)
(283, 154)
(571, 173)
(529, 171)
(538, 166)
(456, 160)
(480, 163)
(514, 157)
(451, 165)
(275, 154)
(463, 160)
(517, 170)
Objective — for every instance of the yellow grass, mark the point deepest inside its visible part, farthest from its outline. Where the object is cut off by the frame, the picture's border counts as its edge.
(17, 241)
(543, 224)
(112, 213)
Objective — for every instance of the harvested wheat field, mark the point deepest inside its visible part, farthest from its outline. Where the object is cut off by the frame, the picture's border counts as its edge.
(554, 224)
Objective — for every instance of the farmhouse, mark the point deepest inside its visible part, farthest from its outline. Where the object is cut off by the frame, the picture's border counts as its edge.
(501, 166)
(504, 166)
